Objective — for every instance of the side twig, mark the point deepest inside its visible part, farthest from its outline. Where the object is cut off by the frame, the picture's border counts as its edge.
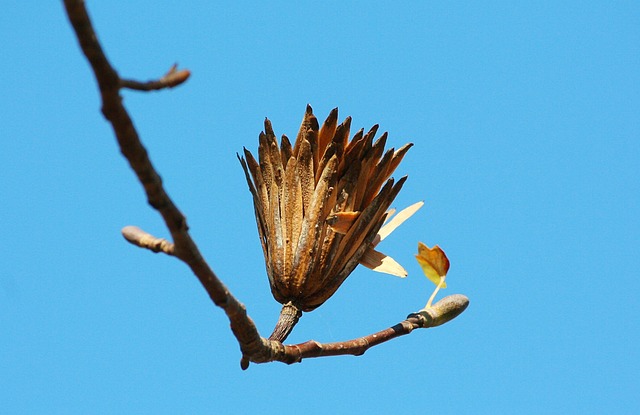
(140, 238)
(171, 79)
(253, 347)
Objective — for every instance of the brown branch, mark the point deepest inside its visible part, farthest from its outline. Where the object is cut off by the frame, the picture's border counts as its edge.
(443, 311)
(171, 79)
(254, 347)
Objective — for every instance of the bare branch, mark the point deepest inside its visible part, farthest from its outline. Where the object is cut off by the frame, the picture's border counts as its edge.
(254, 348)
(172, 78)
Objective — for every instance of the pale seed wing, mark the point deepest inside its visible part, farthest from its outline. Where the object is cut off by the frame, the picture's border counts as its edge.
(377, 261)
(396, 221)
(389, 214)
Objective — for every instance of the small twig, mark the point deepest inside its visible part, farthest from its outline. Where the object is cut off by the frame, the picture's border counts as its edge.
(172, 78)
(143, 239)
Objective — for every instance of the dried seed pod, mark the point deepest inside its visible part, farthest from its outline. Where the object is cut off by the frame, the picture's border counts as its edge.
(319, 206)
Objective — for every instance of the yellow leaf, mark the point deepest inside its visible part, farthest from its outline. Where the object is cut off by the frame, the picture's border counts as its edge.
(434, 263)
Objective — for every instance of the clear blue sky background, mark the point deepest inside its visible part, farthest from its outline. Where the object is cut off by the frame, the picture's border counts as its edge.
(525, 119)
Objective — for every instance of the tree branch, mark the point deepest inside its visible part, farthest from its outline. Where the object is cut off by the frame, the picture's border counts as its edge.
(443, 311)
(131, 147)
(254, 347)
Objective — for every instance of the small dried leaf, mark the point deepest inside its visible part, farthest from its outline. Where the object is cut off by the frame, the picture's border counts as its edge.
(434, 263)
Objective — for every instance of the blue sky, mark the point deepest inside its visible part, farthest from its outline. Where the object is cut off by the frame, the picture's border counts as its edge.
(527, 140)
